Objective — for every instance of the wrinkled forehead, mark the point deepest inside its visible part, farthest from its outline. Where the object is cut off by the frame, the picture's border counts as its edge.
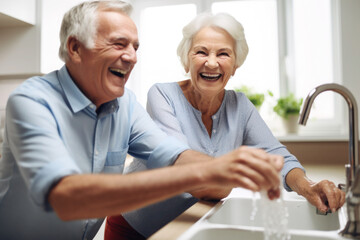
(213, 34)
(116, 24)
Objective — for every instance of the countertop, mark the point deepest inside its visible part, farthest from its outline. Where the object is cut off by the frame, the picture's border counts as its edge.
(174, 229)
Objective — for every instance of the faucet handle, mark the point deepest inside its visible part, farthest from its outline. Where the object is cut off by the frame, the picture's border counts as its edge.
(342, 187)
(348, 174)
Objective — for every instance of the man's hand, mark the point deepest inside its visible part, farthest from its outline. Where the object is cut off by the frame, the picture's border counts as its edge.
(216, 193)
(246, 167)
(324, 195)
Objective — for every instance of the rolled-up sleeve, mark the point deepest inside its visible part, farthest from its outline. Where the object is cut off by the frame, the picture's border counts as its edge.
(36, 145)
(258, 135)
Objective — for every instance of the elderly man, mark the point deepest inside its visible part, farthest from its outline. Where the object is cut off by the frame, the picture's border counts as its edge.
(68, 133)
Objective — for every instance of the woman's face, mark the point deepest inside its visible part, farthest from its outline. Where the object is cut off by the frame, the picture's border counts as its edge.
(211, 60)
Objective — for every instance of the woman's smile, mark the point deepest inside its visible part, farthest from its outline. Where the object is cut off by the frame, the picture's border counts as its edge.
(210, 76)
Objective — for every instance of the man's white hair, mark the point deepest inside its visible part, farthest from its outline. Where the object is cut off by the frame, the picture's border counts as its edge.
(81, 22)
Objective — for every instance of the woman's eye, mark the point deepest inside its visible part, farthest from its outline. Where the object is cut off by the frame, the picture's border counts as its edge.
(224, 54)
(200, 52)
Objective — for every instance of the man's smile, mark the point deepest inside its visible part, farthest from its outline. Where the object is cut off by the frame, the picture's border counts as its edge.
(118, 72)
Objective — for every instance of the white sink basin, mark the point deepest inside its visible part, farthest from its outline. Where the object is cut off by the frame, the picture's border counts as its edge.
(231, 219)
(236, 234)
(302, 215)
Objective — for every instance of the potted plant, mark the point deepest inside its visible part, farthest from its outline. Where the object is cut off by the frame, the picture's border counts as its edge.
(288, 108)
(256, 98)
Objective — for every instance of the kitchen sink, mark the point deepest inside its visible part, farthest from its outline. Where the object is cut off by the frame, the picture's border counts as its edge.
(233, 218)
(236, 234)
(301, 215)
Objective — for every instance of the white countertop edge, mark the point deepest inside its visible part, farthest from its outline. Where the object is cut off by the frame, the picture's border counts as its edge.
(312, 138)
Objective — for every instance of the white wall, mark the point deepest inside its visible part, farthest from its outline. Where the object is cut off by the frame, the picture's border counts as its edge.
(350, 31)
(20, 48)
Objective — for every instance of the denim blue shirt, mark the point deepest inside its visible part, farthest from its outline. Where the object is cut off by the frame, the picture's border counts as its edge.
(236, 123)
(53, 130)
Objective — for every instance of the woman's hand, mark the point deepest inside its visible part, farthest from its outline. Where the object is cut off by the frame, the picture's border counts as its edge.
(324, 195)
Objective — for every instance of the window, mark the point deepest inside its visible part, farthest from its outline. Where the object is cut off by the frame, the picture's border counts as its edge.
(159, 37)
(293, 48)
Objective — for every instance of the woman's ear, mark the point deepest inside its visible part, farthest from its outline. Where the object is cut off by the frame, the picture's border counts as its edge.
(73, 47)
(186, 69)
(234, 70)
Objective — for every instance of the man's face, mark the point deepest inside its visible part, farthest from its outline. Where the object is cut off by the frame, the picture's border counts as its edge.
(105, 69)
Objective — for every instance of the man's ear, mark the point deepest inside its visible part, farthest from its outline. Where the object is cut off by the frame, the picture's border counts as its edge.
(73, 47)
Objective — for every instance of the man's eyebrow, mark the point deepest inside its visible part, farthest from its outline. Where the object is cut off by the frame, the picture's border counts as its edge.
(117, 39)
(124, 39)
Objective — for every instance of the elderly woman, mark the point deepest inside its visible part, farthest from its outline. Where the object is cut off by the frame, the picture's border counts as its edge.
(200, 112)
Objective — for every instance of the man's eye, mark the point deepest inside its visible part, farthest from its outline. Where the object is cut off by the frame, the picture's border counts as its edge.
(119, 44)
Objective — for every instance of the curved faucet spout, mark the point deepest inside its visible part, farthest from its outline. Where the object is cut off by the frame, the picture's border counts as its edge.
(353, 119)
(352, 228)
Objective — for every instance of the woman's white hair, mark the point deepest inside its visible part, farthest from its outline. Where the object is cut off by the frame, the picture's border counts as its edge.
(81, 22)
(220, 20)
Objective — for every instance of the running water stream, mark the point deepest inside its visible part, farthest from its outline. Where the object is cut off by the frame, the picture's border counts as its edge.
(274, 216)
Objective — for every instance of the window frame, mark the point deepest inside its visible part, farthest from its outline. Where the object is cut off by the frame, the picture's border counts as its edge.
(287, 84)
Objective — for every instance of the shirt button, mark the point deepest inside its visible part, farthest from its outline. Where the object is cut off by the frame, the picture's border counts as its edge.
(214, 131)
(96, 152)
(214, 117)
(92, 106)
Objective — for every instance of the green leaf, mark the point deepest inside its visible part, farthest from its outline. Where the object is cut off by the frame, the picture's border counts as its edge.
(288, 105)
(256, 98)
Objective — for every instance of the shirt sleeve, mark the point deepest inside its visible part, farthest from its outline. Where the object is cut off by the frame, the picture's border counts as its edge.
(149, 142)
(257, 134)
(160, 109)
(36, 145)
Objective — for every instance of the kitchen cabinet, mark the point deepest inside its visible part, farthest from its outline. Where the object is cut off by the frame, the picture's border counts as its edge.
(19, 38)
(17, 13)
(29, 41)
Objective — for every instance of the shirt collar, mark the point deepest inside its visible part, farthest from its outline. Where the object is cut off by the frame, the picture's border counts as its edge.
(77, 100)
(75, 97)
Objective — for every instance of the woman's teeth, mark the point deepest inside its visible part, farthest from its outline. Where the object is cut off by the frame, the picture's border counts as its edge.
(210, 76)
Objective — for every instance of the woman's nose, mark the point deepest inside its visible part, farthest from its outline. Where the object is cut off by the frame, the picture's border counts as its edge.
(212, 62)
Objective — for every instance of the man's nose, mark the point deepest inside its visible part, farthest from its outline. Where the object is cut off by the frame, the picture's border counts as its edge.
(129, 55)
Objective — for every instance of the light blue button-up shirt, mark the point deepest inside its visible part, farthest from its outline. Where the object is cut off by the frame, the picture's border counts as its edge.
(236, 123)
(53, 130)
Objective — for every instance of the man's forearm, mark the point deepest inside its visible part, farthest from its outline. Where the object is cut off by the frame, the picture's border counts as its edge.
(93, 196)
(100, 195)
(191, 156)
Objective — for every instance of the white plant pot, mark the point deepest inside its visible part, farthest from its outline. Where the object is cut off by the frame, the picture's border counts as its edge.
(291, 124)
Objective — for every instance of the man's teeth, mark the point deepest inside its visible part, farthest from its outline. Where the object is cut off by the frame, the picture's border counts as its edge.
(118, 70)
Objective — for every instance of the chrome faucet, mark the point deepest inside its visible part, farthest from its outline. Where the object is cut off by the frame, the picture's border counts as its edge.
(352, 228)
